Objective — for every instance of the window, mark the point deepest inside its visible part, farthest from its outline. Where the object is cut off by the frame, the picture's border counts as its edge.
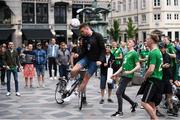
(124, 20)
(60, 13)
(168, 2)
(135, 4)
(143, 18)
(135, 19)
(143, 4)
(168, 16)
(28, 11)
(170, 35)
(119, 6)
(114, 6)
(124, 5)
(157, 16)
(125, 37)
(176, 16)
(42, 13)
(176, 35)
(175, 2)
(157, 3)
(144, 36)
(129, 4)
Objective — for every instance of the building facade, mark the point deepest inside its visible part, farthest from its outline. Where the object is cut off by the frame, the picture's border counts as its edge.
(31, 21)
(157, 16)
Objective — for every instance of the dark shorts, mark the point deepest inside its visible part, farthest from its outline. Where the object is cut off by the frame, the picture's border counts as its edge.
(153, 91)
(40, 69)
(103, 82)
(167, 87)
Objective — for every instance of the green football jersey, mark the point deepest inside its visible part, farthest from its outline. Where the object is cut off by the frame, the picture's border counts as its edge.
(170, 49)
(144, 53)
(155, 58)
(116, 54)
(129, 62)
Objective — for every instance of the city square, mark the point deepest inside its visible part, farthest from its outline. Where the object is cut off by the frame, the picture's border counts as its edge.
(89, 59)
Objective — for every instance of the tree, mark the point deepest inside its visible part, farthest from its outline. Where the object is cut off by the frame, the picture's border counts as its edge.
(131, 29)
(114, 32)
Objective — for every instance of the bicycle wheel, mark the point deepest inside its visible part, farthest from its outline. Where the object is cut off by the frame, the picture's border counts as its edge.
(59, 92)
(80, 100)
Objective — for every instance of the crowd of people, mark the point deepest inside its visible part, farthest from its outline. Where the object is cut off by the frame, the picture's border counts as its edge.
(157, 61)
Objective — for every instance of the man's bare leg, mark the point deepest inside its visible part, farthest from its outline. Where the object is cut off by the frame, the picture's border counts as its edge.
(150, 109)
(75, 70)
(84, 82)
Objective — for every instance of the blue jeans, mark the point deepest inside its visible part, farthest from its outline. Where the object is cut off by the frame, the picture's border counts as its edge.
(15, 74)
(89, 64)
(63, 71)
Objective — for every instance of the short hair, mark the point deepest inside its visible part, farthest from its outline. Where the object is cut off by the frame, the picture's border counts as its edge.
(154, 37)
(83, 25)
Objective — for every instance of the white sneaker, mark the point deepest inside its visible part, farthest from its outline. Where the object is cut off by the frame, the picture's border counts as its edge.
(8, 94)
(51, 78)
(72, 96)
(55, 78)
(18, 94)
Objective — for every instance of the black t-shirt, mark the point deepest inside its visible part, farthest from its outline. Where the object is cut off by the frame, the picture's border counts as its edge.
(93, 47)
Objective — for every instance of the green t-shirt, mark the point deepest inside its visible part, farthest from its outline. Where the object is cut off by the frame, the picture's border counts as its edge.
(129, 62)
(116, 54)
(144, 53)
(155, 58)
(170, 49)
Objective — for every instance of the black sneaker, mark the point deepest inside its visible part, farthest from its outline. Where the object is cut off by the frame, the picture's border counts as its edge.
(110, 100)
(3, 83)
(101, 101)
(84, 102)
(159, 114)
(133, 108)
(117, 114)
(171, 112)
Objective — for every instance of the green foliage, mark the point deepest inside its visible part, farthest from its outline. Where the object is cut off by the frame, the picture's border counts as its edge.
(131, 29)
(114, 32)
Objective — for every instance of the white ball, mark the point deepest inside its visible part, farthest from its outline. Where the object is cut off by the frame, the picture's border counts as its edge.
(75, 22)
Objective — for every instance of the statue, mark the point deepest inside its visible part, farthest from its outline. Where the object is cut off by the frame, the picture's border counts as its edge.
(96, 17)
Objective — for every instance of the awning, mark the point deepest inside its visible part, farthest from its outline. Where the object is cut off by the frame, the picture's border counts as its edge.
(37, 34)
(4, 34)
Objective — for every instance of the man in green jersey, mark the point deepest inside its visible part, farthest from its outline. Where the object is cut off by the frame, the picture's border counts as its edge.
(170, 49)
(129, 66)
(143, 58)
(117, 53)
(152, 93)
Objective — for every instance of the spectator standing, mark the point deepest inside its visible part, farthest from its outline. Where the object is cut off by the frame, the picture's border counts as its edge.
(63, 60)
(2, 67)
(11, 61)
(40, 61)
(172, 52)
(52, 53)
(117, 53)
(107, 61)
(29, 65)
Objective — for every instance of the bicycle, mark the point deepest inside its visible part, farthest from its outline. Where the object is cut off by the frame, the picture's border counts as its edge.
(61, 91)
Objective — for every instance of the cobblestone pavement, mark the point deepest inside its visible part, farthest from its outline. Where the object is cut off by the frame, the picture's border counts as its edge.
(39, 103)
